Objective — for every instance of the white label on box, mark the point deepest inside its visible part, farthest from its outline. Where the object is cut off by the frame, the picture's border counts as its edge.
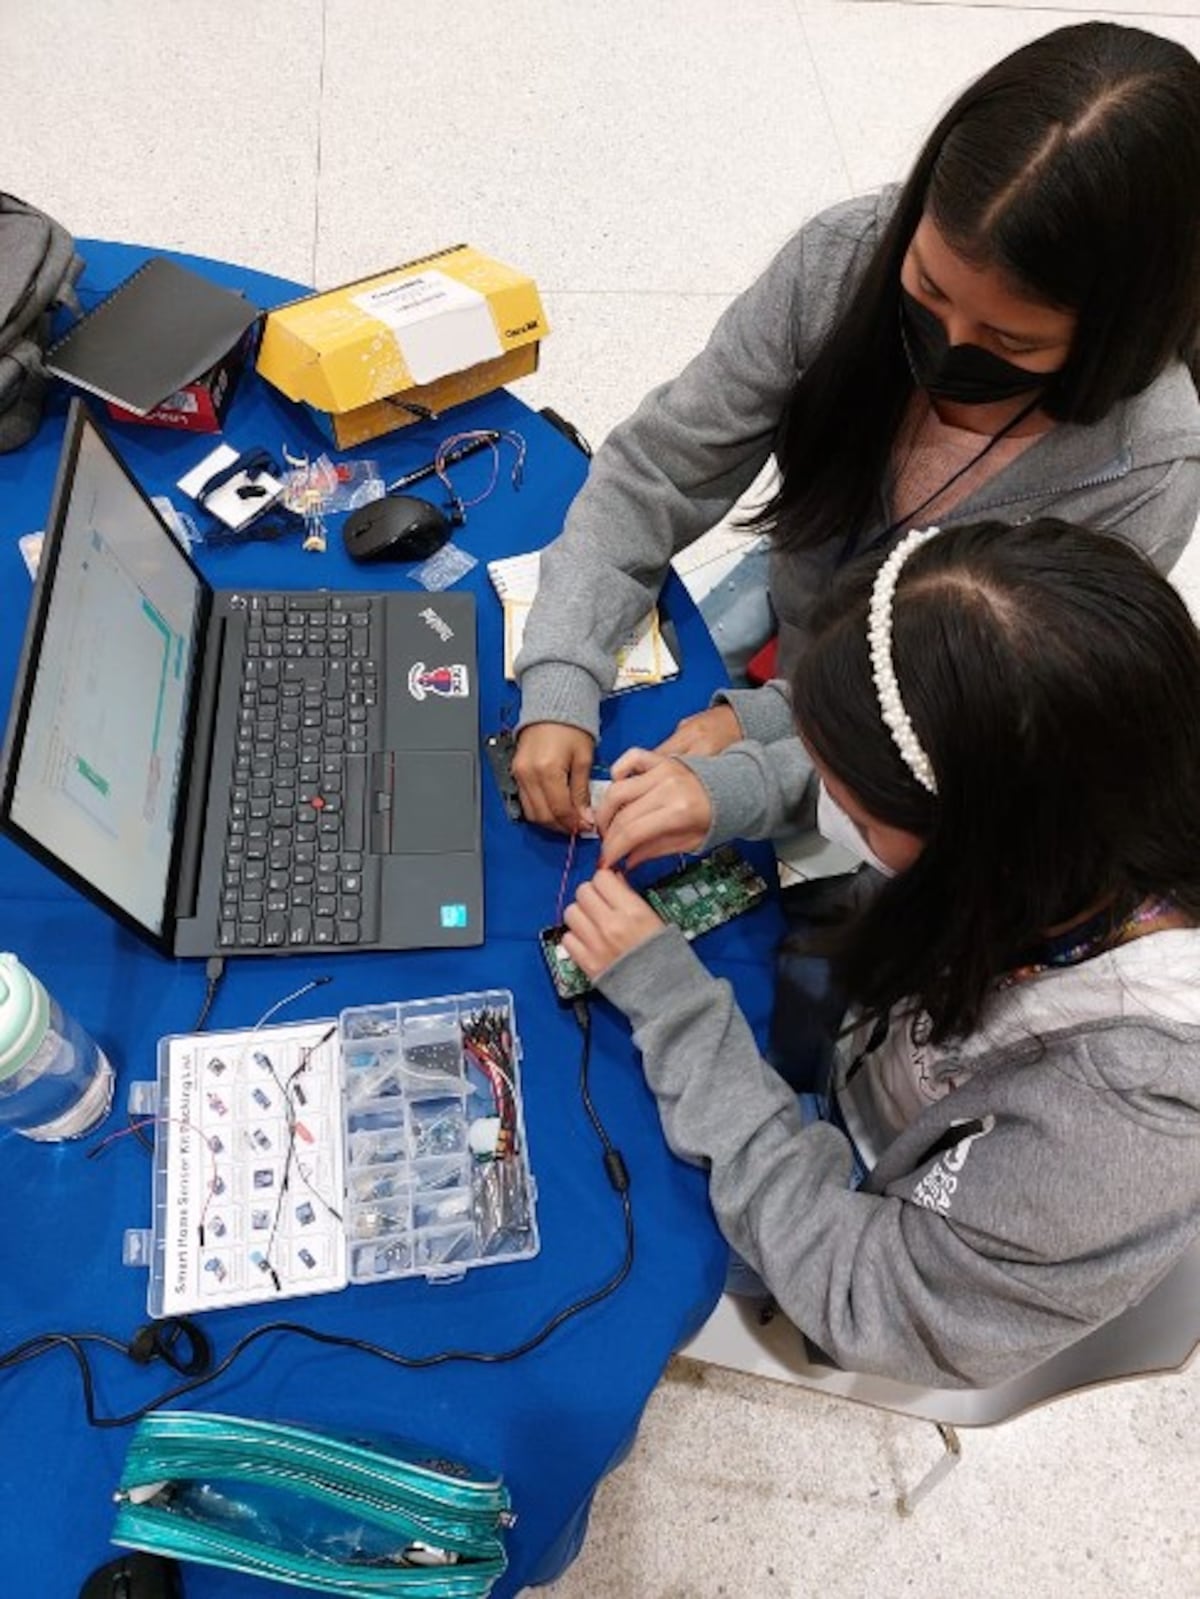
(439, 324)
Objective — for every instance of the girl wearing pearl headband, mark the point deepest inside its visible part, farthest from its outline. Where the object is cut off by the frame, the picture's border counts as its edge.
(1005, 1152)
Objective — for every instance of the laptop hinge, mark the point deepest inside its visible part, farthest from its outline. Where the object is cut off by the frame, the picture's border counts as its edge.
(196, 797)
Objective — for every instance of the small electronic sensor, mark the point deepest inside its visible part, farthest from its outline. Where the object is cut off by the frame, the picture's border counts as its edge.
(569, 981)
(436, 1057)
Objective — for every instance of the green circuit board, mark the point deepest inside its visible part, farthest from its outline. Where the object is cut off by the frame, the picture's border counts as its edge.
(708, 892)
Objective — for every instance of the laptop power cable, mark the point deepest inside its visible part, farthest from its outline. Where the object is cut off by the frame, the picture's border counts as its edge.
(214, 971)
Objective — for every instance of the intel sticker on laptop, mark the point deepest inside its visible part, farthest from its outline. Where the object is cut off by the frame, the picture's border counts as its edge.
(454, 915)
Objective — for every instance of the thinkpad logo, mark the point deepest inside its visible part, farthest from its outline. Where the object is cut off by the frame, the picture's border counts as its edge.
(442, 628)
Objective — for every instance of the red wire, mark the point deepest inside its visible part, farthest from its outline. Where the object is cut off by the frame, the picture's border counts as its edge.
(143, 1122)
(562, 887)
(440, 466)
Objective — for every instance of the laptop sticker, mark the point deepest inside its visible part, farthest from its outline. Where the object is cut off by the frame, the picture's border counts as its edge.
(450, 682)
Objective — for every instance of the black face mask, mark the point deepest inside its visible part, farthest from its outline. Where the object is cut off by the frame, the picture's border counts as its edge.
(966, 374)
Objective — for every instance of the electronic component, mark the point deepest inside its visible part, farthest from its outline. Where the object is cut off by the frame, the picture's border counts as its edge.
(436, 1057)
(569, 981)
(697, 897)
(500, 749)
(708, 892)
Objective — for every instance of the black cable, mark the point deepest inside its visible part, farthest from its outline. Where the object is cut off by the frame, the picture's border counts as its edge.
(616, 1172)
(43, 1343)
(291, 1118)
(214, 971)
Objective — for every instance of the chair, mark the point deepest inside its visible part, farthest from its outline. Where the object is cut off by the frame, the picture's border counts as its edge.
(1157, 1335)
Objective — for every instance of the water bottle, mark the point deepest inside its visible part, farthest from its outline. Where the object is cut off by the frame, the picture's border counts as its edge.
(54, 1082)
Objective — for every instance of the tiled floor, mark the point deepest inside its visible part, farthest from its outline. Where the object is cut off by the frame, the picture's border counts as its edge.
(642, 161)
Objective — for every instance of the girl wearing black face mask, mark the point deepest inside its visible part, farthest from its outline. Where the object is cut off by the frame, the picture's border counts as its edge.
(994, 338)
(963, 374)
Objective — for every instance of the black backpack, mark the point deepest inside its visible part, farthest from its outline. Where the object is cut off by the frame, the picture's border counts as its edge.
(38, 270)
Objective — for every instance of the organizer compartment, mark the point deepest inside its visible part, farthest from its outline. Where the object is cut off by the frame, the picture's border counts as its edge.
(445, 1185)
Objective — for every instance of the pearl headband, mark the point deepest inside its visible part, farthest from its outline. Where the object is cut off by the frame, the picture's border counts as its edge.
(879, 636)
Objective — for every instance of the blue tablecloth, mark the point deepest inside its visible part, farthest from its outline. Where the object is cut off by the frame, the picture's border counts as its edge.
(552, 1422)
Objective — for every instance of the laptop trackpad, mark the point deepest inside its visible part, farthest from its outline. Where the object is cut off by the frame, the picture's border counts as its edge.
(423, 802)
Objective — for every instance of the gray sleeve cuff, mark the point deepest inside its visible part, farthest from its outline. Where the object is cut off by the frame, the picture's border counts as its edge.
(764, 714)
(557, 691)
(756, 790)
(637, 981)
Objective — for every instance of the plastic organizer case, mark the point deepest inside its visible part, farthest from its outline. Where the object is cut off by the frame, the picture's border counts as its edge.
(436, 1174)
(290, 1160)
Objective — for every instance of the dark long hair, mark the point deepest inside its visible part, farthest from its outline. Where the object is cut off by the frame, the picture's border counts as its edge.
(1052, 676)
(1072, 166)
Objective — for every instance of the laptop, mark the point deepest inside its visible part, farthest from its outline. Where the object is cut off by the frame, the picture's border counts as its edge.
(239, 772)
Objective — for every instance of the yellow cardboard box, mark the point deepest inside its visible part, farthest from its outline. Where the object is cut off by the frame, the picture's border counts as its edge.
(382, 352)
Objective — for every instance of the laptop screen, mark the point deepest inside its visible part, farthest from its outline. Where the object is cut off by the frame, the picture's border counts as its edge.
(94, 775)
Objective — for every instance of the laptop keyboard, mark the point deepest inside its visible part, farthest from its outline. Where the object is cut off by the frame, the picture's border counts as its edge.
(293, 871)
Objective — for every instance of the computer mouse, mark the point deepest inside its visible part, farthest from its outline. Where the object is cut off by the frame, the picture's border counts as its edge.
(135, 1576)
(399, 527)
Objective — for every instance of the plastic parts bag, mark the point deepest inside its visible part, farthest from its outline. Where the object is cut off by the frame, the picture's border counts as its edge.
(361, 1517)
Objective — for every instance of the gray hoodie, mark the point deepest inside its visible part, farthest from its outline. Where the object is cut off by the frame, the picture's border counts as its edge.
(695, 445)
(1038, 1199)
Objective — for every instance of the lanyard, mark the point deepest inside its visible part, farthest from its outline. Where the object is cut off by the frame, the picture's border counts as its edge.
(849, 545)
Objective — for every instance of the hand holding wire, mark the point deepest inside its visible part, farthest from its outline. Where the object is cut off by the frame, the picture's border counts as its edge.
(607, 920)
(654, 806)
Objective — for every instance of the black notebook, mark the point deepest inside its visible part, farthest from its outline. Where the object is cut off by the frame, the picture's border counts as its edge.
(155, 333)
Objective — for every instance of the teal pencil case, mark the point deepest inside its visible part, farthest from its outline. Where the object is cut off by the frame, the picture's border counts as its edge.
(360, 1517)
